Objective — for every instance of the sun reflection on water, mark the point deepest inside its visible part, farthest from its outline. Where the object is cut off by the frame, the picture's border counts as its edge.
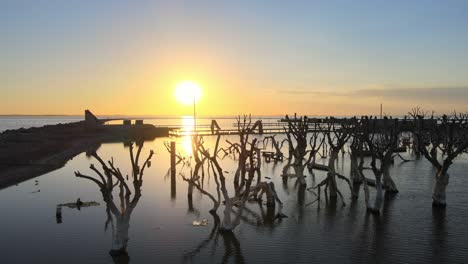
(186, 141)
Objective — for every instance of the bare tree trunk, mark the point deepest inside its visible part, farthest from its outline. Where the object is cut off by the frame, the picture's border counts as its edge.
(378, 196)
(299, 169)
(120, 236)
(354, 173)
(227, 225)
(388, 182)
(331, 173)
(440, 184)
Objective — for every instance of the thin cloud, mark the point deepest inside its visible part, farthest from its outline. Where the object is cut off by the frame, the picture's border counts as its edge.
(427, 94)
(424, 94)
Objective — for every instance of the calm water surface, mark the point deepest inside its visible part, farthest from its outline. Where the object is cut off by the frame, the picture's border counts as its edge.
(161, 230)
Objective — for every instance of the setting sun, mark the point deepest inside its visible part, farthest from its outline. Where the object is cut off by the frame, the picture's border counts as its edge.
(187, 92)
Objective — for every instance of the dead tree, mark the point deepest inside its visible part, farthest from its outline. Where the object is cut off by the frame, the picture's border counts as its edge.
(201, 155)
(244, 129)
(229, 222)
(417, 113)
(381, 141)
(180, 158)
(356, 158)
(107, 179)
(356, 153)
(296, 134)
(244, 187)
(384, 147)
(446, 139)
(315, 142)
(338, 133)
(276, 145)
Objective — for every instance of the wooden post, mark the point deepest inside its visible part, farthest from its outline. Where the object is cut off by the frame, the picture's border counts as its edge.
(173, 156)
(58, 215)
(260, 127)
(173, 170)
(381, 112)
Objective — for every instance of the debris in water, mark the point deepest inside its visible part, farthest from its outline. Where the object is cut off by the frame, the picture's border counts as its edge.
(203, 222)
(58, 215)
(80, 204)
(267, 178)
(36, 191)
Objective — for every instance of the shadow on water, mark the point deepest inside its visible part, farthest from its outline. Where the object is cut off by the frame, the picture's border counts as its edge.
(232, 246)
(111, 181)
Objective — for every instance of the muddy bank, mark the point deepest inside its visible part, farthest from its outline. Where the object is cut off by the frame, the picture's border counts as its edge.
(27, 153)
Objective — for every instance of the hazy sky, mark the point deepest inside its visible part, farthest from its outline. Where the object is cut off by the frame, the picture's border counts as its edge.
(259, 57)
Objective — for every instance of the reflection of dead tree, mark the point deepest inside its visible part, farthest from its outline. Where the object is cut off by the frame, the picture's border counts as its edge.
(213, 236)
(337, 134)
(111, 177)
(450, 138)
(231, 244)
(264, 218)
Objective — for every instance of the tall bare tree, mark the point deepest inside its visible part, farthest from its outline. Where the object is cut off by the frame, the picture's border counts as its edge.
(119, 210)
(443, 140)
(296, 134)
(338, 132)
(382, 140)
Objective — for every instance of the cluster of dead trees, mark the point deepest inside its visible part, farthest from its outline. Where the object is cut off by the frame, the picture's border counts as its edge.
(247, 183)
(373, 144)
(441, 141)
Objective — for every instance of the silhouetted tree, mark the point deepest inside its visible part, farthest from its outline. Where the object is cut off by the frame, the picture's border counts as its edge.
(296, 134)
(382, 140)
(338, 132)
(444, 140)
(110, 177)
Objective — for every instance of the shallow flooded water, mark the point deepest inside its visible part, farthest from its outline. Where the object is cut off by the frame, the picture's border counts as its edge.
(161, 226)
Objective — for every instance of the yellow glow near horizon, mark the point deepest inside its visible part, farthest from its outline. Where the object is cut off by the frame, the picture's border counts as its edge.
(187, 92)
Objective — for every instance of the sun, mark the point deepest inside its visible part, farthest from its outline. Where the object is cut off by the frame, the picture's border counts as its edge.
(187, 92)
